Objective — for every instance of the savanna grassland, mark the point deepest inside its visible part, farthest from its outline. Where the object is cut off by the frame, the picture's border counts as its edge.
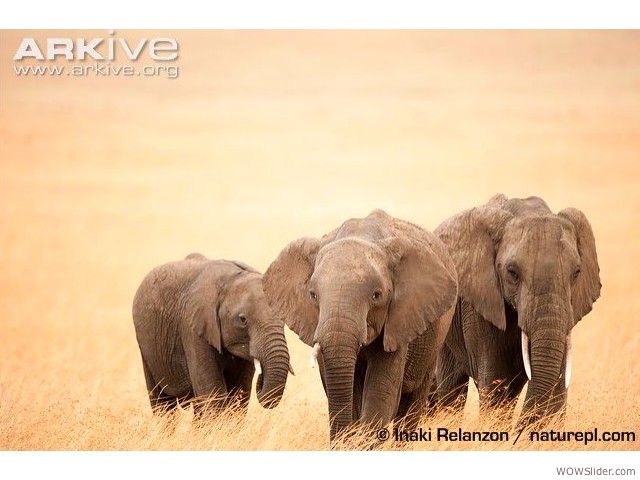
(269, 136)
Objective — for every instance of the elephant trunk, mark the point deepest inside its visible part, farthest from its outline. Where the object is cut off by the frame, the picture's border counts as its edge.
(341, 332)
(547, 352)
(339, 369)
(274, 363)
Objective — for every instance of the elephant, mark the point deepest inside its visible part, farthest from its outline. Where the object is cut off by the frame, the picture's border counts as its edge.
(526, 277)
(374, 298)
(204, 327)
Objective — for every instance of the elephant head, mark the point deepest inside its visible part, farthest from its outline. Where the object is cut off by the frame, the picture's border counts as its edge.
(369, 280)
(228, 308)
(516, 254)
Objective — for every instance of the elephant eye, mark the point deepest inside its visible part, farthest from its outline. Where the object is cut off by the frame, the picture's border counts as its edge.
(513, 273)
(242, 320)
(576, 274)
(313, 295)
(377, 295)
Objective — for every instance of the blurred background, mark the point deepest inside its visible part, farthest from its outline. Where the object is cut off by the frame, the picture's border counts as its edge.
(267, 136)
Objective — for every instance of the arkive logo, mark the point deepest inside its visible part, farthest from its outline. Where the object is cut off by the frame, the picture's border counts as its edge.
(160, 49)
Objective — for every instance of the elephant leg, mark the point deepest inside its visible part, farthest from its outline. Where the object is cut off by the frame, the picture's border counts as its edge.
(500, 379)
(148, 376)
(239, 379)
(514, 388)
(492, 391)
(383, 386)
(500, 390)
(160, 402)
(496, 359)
(358, 387)
(403, 405)
(207, 378)
(452, 382)
(414, 404)
(502, 393)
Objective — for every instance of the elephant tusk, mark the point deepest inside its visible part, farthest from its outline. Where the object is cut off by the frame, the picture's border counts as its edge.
(525, 355)
(291, 370)
(256, 363)
(313, 358)
(567, 363)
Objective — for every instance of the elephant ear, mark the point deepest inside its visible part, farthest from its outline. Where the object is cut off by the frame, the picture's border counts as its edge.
(471, 238)
(424, 290)
(202, 304)
(586, 289)
(286, 285)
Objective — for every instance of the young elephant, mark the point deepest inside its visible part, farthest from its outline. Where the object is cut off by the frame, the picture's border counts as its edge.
(526, 277)
(201, 326)
(375, 299)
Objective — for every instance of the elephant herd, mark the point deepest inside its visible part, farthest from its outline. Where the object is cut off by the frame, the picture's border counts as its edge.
(398, 318)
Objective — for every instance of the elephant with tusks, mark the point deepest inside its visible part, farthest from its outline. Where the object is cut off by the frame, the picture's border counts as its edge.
(526, 277)
(374, 298)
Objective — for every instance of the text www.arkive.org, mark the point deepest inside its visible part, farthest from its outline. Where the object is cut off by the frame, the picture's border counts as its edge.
(98, 70)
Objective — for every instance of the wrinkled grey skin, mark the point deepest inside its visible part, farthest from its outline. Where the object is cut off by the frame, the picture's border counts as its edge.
(199, 324)
(377, 294)
(521, 268)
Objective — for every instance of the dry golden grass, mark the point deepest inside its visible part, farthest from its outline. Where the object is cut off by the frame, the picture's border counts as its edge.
(269, 136)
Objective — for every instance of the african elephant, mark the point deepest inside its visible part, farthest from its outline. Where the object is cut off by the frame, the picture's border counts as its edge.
(526, 277)
(374, 298)
(202, 326)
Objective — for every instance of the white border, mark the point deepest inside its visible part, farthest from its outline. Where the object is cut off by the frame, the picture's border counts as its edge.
(494, 465)
(299, 14)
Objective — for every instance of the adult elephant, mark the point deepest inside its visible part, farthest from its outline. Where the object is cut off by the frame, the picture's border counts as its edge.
(204, 327)
(526, 277)
(374, 298)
